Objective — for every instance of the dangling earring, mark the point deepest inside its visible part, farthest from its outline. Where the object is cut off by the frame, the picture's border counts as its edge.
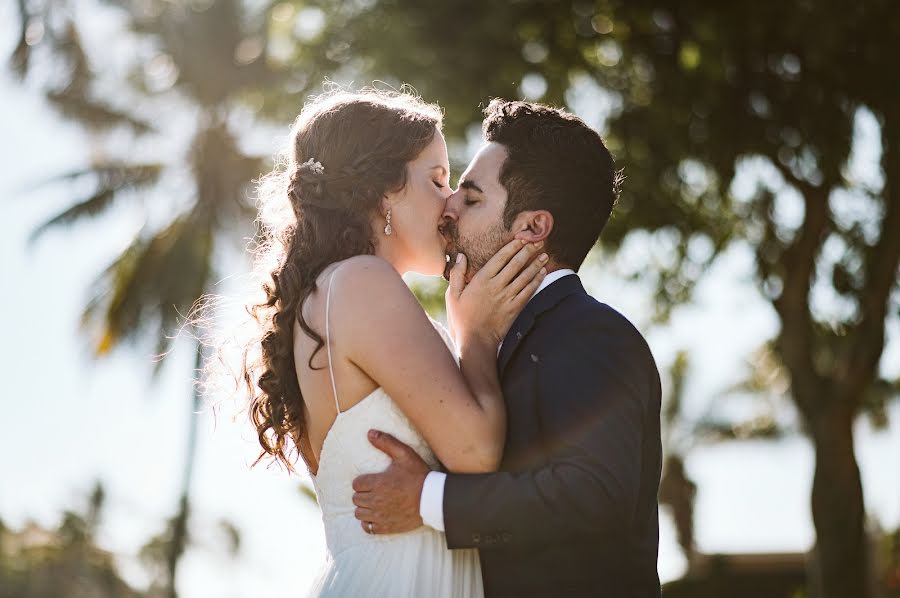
(388, 229)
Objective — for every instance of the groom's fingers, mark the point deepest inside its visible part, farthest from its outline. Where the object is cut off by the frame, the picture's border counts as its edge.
(364, 499)
(364, 483)
(364, 514)
(389, 445)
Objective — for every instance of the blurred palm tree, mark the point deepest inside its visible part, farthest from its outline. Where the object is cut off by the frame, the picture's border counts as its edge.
(205, 58)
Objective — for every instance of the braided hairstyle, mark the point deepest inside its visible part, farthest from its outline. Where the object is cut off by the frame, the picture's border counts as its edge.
(347, 150)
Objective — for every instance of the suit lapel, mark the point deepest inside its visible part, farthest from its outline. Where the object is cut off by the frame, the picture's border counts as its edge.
(540, 303)
(520, 327)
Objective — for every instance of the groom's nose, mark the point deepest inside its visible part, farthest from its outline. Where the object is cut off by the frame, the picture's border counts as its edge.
(452, 206)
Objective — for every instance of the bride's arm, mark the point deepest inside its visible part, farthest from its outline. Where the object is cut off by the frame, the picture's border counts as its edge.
(382, 330)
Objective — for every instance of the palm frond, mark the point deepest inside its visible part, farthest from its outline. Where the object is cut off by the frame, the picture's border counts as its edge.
(103, 331)
(150, 284)
(93, 205)
(73, 98)
(112, 174)
(203, 46)
(67, 45)
(94, 115)
(222, 172)
(113, 179)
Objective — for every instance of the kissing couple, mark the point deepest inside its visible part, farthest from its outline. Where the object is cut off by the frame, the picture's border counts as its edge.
(515, 453)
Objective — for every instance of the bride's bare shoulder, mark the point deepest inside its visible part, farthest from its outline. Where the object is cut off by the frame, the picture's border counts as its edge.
(370, 281)
(370, 269)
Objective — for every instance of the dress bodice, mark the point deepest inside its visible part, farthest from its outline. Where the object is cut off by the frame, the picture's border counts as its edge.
(347, 453)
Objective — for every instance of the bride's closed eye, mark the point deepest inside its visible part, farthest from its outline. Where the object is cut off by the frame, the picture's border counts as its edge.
(438, 184)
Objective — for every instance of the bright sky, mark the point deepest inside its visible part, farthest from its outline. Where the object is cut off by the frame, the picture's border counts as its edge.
(68, 421)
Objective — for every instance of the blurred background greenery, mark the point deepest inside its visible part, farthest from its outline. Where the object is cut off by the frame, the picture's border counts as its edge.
(737, 125)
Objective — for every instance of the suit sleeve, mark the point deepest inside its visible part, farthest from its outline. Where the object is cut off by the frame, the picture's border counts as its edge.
(593, 393)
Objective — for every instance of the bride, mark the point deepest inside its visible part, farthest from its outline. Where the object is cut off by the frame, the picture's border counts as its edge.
(345, 346)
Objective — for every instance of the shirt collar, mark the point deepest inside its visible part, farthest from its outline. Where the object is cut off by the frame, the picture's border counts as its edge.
(551, 278)
(548, 280)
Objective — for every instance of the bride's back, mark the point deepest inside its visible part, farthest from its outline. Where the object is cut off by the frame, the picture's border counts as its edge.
(344, 452)
(353, 384)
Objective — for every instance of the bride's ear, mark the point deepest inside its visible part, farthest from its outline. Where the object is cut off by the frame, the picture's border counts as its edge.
(533, 226)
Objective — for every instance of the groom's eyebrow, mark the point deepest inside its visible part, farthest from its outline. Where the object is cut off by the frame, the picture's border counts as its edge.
(471, 186)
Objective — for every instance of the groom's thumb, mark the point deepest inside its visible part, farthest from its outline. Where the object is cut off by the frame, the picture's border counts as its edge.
(458, 275)
(389, 445)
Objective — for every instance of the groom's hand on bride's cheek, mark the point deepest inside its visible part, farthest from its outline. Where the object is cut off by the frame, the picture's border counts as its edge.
(390, 499)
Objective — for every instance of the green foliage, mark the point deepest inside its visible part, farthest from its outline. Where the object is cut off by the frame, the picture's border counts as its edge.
(112, 181)
(430, 294)
(308, 493)
(38, 562)
(48, 563)
(693, 90)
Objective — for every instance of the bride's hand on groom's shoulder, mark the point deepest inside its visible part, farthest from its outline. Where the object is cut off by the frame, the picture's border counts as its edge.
(484, 308)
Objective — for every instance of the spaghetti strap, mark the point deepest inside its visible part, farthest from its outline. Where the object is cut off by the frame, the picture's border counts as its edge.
(337, 405)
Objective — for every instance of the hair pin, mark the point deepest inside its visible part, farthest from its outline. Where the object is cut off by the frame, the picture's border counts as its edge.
(314, 166)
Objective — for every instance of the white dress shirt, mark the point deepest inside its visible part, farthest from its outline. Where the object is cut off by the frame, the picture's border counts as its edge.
(431, 504)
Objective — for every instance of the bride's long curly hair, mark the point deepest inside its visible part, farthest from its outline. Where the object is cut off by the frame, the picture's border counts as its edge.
(346, 151)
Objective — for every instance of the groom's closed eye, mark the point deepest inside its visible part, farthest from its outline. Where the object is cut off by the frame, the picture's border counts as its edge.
(472, 191)
(469, 185)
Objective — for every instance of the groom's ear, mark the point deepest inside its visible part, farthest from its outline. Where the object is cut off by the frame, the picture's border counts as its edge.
(533, 225)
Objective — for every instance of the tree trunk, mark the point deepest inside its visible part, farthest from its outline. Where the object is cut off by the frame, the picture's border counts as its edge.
(838, 509)
(179, 537)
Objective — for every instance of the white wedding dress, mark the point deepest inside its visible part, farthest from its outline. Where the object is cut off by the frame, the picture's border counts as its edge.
(416, 563)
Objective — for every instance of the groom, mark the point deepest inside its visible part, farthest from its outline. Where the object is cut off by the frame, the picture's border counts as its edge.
(573, 509)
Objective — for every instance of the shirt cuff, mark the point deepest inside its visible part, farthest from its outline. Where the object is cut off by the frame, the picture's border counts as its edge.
(431, 505)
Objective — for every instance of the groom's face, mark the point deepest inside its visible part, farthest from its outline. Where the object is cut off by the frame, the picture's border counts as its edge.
(473, 215)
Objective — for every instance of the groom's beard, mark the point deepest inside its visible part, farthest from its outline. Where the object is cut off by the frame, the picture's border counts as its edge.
(478, 250)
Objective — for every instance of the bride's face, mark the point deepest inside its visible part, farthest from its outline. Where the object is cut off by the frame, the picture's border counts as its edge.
(416, 211)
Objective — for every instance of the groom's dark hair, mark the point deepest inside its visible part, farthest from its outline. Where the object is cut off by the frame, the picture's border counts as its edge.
(557, 163)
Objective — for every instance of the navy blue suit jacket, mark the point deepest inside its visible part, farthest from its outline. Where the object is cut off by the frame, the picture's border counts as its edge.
(573, 511)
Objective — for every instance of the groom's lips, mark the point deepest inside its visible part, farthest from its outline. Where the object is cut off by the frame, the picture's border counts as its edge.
(447, 268)
(450, 255)
(449, 252)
